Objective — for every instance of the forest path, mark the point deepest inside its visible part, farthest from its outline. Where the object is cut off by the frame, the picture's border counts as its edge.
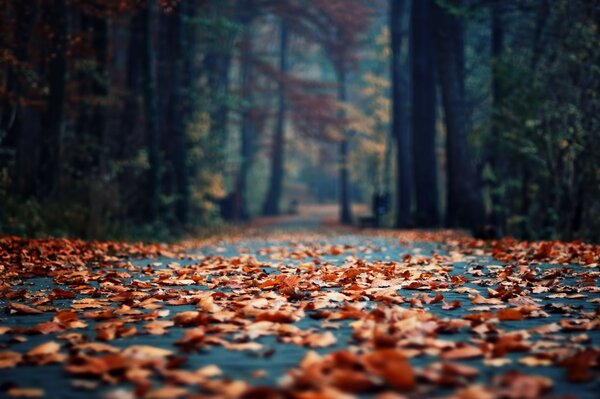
(422, 313)
(308, 217)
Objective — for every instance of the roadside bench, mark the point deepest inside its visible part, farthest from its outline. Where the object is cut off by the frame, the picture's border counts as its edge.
(380, 206)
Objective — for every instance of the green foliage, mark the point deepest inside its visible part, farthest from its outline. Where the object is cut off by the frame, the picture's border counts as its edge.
(548, 178)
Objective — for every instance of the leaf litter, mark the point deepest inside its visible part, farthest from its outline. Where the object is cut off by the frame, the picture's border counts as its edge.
(387, 315)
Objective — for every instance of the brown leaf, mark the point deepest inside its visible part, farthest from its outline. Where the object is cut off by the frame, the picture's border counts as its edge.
(462, 352)
(189, 318)
(20, 308)
(392, 366)
(509, 314)
(276, 317)
(348, 380)
(25, 393)
(319, 340)
(48, 348)
(10, 359)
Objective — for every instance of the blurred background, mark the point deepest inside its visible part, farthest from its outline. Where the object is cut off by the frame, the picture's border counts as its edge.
(152, 119)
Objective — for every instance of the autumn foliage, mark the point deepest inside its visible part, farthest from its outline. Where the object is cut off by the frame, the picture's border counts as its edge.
(385, 327)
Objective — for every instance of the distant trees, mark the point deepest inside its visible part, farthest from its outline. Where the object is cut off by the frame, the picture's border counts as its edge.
(122, 112)
(543, 167)
(84, 83)
(168, 114)
(345, 20)
(511, 165)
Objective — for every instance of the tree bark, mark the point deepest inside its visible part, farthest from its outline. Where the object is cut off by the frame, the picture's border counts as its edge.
(424, 116)
(151, 112)
(345, 207)
(247, 129)
(400, 126)
(464, 206)
(22, 120)
(498, 214)
(181, 106)
(98, 199)
(57, 75)
(133, 84)
(273, 199)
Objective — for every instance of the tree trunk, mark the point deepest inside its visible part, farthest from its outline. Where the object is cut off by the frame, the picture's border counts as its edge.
(273, 199)
(424, 116)
(464, 206)
(400, 127)
(57, 74)
(98, 199)
(22, 120)
(133, 83)
(179, 154)
(247, 129)
(345, 208)
(151, 112)
(498, 214)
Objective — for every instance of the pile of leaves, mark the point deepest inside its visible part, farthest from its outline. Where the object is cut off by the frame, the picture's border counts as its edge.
(462, 319)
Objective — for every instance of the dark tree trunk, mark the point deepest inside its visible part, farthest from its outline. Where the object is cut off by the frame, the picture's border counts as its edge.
(151, 113)
(464, 206)
(498, 214)
(247, 131)
(98, 199)
(172, 121)
(423, 115)
(133, 84)
(179, 99)
(24, 14)
(345, 207)
(273, 199)
(400, 127)
(22, 122)
(57, 74)
(100, 92)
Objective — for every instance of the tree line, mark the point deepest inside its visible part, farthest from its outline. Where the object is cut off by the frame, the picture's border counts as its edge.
(172, 114)
(516, 85)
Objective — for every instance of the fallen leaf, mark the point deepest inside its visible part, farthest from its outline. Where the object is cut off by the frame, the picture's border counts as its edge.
(20, 308)
(462, 352)
(25, 392)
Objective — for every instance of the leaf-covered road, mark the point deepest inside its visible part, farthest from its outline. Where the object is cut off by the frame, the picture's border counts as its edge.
(300, 315)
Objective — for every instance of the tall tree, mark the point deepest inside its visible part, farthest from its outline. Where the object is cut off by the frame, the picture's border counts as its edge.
(400, 126)
(179, 154)
(98, 200)
(22, 121)
(247, 128)
(57, 76)
(150, 113)
(133, 80)
(345, 207)
(464, 206)
(423, 114)
(173, 97)
(273, 199)
(497, 217)
(175, 116)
